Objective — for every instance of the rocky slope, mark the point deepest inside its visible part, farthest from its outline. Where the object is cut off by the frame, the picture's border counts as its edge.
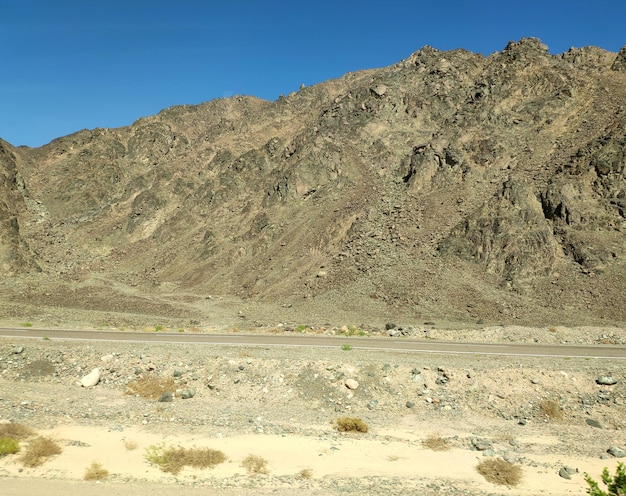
(449, 186)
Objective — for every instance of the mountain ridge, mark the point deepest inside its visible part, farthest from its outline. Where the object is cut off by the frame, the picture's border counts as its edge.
(449, 185)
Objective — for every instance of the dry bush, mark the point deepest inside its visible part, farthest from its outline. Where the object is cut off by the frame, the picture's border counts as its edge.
(39, 450)
(172, 460)
(151, 386)
(130, 445)
(16, 431)
(499, 471)
(8, 446)
(95, 472)
(305, 473)
(350, 424)
(255, 465)
(551, 410)
(436, 443)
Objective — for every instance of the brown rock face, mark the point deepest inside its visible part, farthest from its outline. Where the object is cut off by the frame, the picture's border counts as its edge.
(448, 186)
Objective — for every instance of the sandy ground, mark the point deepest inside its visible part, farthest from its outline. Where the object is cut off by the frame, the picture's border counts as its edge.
(349, 457)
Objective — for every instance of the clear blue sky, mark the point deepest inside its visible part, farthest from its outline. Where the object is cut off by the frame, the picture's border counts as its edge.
(67, 65)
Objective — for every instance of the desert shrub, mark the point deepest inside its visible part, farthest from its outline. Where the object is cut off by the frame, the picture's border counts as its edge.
(346, 347)
(172, 460)
(16, 431)
(95, 472)
(8, 446)
(551, 410)
(615, 485)
(436, 443)
(350, 424)
(305, 473)
(130, 445)
(255, 465)
(499, 471)
(151, 386)
(39, 450)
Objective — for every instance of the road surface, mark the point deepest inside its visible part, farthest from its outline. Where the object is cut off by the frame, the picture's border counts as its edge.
(370, 343)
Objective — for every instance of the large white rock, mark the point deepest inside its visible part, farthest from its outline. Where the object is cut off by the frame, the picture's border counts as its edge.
(91, 379)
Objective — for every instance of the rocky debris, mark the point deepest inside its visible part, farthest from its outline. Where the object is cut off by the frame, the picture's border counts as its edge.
(567, 472)
(606, 380)
(187, 394)
(91, 379)
(617, 452)
(479, 444)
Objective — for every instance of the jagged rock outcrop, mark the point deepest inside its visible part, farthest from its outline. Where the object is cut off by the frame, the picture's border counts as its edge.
(384, 187)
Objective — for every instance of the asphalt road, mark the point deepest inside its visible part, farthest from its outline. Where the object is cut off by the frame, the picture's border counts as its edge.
(371, 343)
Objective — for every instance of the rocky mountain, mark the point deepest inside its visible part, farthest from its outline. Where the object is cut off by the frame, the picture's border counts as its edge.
(449, 186)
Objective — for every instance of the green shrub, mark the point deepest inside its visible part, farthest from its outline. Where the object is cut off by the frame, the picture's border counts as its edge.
(8, 446)
(616, 485)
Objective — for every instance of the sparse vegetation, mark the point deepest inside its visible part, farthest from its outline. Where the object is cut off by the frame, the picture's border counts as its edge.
(305, 473)
(8, 446)
(255, 465)
(346, 347)
(436, 443)
(350, 424)
(27, 324)
(95, 472)
(499, 471)
(16, 431)
(151, 386)
(39, 450)
(174, 459)
(130, 445)
(158, 328)
(616, 485)
(551, 410)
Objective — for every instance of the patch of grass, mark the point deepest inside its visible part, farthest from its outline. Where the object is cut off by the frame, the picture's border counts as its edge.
(16, 431)
(436, 443)
(174, 459)
(39, 450)
(95, 472)
(346, 347)
(26, 324)
(301, 328)
(130, 445)
(499, 471)
(551, 410)
(46, 338)
(350, 424)
(305, 473)
(151, 386)
(158, 328)
(255, 465)
(8, 446)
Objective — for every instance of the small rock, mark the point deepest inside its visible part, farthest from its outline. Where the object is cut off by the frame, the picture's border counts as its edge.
(106, 358)
(372, 404)
(521, 422)
(594, 423)
(564, 472)
(166, 398)
(410, 404)
(380, 90)
(187, 393)
(351, 384)
(606, 380)
(91, 379)
(18, 350)
(616, 452)
(389, 326)
(489, 452)
(178, 373)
